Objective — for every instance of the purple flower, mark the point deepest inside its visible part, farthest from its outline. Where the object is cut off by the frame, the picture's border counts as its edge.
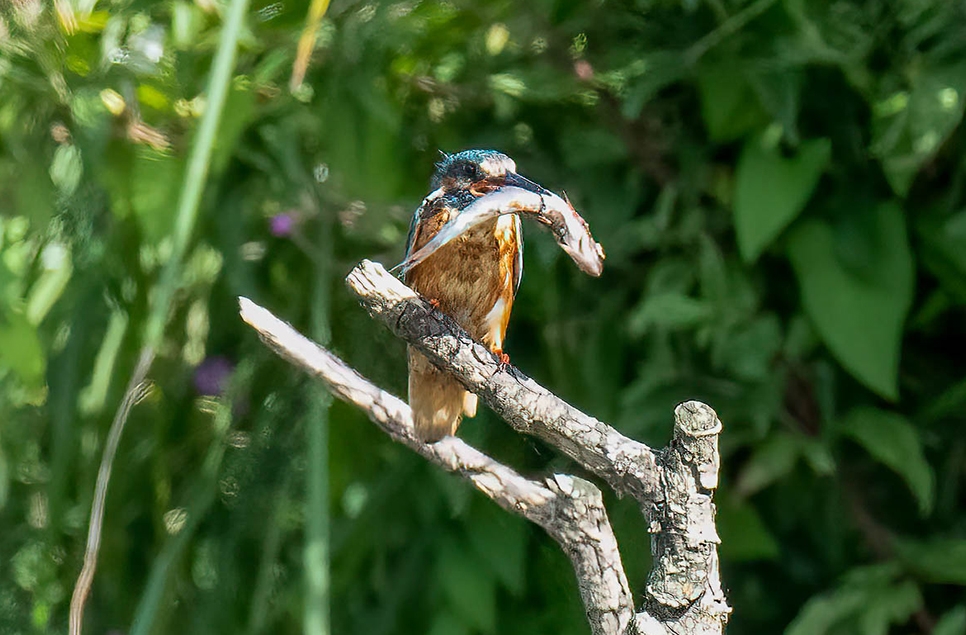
(282, 225)
(211, 376)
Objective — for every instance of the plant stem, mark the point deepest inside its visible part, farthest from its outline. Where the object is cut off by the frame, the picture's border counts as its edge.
(265, 580)
(135, 390)
(187, 215)
(316, 555)
(727, 28)
(307, 42)
(199, 162)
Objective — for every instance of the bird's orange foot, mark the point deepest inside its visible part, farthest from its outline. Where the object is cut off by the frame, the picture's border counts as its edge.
(504, 359)
(433, 302)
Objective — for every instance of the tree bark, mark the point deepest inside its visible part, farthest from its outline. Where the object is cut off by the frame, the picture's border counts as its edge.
(674, 486)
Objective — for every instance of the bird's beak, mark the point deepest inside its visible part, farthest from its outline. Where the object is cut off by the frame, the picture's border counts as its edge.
(513, 179)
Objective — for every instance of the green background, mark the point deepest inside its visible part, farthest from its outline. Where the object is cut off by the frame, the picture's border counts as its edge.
(778, 184)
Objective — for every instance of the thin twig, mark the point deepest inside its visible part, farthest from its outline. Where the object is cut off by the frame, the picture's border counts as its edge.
(136, 389)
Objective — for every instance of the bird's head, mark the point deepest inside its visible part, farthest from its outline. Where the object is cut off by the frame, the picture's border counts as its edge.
(477, 173)
(483, 184)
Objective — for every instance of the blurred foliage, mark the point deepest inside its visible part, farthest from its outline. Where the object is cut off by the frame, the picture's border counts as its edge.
(779, 185)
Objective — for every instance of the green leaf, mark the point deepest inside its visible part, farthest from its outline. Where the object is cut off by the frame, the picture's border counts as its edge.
(868, 601)
(939, 561)
(744, 536)
(859, 317)
(771, 190)
(952, 623)
(670, 275)
(20, 348)
(590, 148)
(468, 585)
(445, 623)
(748, 351)
(817, 456)
(951, 402)
(822, 612)
(34, 569)
(187, 21)
(779, 91)
(50, 285)
(154, 198)
(66, 168)
(800, 338)
(92, 397)
(910, 126)
(34, 191)
(772, 460)
(4, 479)
(670, 311)
(646, 77)
(894, 441)
(729, 106)
(944, 251)
(238, 114)
(894, 604)
(500, 540)
(713, 273)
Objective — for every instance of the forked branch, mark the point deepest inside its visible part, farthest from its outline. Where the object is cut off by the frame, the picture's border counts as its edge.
(674, 487)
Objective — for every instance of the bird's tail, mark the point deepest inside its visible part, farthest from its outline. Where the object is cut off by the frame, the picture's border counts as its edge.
(436, 398)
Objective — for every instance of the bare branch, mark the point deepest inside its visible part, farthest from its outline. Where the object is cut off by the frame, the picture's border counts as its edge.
(674, 487)
(570, 509)
(628, 466)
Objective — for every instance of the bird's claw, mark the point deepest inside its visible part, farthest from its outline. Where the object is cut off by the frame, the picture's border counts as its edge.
(504, 360)
(433, 302)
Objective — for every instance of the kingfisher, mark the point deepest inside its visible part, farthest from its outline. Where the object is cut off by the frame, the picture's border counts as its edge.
(473, 278)
(464, 254)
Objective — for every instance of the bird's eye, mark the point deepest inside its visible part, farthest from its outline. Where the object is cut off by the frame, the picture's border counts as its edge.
(470, 170)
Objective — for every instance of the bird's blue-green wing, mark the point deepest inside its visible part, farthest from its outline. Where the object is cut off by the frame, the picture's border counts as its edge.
(411, 238)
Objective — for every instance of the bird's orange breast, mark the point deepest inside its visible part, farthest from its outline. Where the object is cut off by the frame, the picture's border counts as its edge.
(472, 277)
